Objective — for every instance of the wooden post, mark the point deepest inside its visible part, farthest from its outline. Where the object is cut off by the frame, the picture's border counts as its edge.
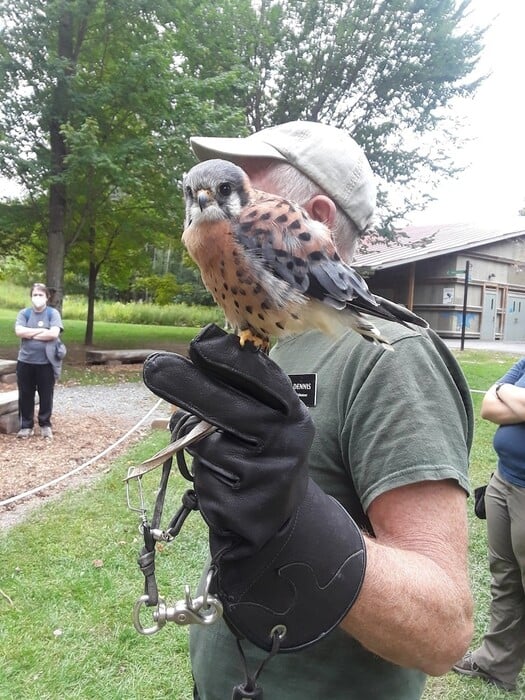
(465, 295)
(411, 286)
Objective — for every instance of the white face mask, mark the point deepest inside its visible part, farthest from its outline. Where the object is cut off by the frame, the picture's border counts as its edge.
(38, 300)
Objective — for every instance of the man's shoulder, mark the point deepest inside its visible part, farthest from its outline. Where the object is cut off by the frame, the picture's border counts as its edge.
(55, 319)
(314, 342)
(395, 332)
(22, 317)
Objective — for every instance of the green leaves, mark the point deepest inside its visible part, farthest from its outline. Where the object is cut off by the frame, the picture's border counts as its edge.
(98, 99)
(97, 108)
(383, 69)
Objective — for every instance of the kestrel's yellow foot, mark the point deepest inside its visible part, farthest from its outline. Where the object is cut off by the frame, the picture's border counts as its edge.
(260, 343)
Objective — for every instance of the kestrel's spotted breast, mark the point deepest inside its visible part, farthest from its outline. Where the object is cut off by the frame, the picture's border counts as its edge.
(238, 277)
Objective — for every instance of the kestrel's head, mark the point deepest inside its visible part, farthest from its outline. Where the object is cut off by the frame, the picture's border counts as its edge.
(215, 189)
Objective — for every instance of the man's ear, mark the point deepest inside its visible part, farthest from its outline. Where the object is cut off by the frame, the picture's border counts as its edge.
(321, 208)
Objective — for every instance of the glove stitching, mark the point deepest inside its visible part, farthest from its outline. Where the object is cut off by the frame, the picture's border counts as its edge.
(276, 556)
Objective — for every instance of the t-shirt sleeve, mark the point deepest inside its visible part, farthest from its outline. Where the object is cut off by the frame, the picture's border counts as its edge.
(408, 422)
(21, 319)
(515, 373)
(55, 319)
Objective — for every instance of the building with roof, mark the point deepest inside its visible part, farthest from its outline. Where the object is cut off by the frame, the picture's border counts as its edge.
(447, 273)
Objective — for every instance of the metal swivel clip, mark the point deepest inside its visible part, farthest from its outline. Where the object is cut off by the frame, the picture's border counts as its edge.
(203, 610)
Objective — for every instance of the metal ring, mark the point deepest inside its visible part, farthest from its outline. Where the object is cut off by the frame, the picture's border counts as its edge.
(136, 616)
(279, 631)
(209, 577)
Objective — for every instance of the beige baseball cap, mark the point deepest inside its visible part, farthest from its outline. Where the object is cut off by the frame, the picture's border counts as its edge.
(327, 155)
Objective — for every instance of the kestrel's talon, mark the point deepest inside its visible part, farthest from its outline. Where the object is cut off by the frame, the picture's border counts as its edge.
(247, 336)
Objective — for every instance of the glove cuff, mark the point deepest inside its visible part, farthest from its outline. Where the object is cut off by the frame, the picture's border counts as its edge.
(301, 583)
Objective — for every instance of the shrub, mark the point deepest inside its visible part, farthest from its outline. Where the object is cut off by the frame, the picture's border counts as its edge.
(75, 308)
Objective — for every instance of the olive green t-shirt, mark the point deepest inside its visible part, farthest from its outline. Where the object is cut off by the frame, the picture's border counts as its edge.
(383, 419)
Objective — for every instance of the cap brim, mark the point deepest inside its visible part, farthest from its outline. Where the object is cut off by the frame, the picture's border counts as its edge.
(233, 148)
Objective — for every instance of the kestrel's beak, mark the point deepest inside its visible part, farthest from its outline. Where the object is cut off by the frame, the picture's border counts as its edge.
(204, 198)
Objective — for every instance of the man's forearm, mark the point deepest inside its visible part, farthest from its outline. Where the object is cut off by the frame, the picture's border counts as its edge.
(415, 605)
(513, 397)
(410, 611)
(494, 409)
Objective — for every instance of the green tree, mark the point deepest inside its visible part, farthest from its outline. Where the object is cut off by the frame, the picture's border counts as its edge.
(98, 99)
(107, 112)
(383, 69)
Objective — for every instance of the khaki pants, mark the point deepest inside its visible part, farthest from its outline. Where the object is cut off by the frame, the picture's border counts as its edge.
(502, 652)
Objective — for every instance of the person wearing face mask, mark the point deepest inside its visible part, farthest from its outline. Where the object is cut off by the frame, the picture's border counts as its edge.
(38, 327)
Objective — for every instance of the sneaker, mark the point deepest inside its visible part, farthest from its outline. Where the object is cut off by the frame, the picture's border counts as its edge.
(25, 433)
(468, 667)
(46, 432)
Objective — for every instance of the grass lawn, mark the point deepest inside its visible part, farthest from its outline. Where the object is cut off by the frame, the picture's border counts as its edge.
(106, 335)
(67, 590)
(69, 580)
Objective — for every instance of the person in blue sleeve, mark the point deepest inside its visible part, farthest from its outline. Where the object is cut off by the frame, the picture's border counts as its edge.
(501, 655)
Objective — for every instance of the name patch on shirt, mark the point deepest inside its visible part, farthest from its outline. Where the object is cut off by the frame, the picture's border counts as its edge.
(305, 386)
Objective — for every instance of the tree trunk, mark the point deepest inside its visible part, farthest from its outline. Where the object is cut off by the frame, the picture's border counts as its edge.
(92, 285)
(56, 246)
(90, 320)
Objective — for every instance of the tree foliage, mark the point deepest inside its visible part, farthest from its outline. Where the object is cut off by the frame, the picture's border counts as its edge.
(385, 70)
(107, 115)
(98, 99)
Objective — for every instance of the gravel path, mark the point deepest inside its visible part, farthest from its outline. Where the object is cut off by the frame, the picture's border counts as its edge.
(129, 401)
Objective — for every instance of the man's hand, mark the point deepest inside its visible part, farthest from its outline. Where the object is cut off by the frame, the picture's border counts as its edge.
(289, 560)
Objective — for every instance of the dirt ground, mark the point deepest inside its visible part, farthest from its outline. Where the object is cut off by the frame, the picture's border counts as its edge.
(28, 464)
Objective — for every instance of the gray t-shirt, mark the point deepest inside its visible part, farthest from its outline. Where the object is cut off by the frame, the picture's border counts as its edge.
(383, 420)
(34, 351)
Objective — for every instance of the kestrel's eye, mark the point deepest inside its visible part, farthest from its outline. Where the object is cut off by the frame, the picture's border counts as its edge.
(189, 193)
(225, 189)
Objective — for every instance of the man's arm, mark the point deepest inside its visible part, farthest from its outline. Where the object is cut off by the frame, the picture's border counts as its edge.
(415, 606)
(43, 334)
(506, 407)
(514, 398)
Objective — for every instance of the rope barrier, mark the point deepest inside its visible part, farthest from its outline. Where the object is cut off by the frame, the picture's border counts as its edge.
(31, 492)
(90, 461)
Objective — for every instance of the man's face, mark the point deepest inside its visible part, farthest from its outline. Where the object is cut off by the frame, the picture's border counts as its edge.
(38, 298)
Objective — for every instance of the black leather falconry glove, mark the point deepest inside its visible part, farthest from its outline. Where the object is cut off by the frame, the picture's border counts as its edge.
(289, 560)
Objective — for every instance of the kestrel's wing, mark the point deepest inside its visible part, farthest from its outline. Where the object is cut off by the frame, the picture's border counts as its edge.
(396, 312)
(300, 251)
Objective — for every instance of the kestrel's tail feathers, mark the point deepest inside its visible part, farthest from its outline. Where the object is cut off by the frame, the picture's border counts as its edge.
(400, 313)
(339, 286)
(385, 309)
(368, 331)
(331, 318)
(388, 310)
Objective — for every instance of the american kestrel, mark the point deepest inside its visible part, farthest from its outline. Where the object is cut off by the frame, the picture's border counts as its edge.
(272, 268)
